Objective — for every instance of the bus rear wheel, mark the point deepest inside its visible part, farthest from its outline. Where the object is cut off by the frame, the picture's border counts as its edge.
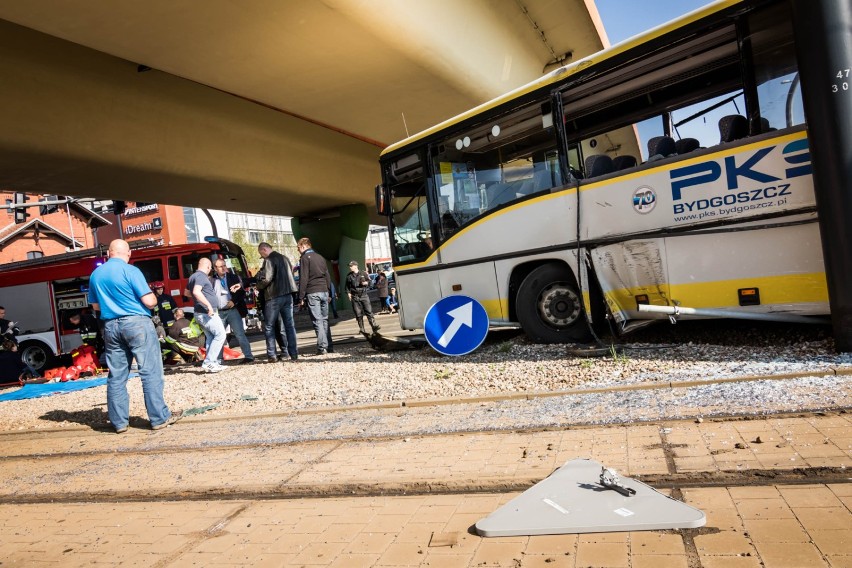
(549, 307)
(35, 354)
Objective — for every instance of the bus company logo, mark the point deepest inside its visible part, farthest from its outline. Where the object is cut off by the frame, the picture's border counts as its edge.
(644, 200)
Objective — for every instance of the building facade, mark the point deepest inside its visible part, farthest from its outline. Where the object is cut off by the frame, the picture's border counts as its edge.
(45, 230)
(146, 222)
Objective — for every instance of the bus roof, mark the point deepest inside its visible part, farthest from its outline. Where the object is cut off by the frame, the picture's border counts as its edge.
(570, 69)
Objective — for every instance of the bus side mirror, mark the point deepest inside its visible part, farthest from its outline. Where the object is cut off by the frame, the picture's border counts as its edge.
(382, 200)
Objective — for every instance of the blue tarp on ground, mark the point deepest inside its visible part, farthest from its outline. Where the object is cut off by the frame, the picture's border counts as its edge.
(47, 389)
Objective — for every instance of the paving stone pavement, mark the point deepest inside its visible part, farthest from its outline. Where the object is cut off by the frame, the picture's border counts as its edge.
(235, 492)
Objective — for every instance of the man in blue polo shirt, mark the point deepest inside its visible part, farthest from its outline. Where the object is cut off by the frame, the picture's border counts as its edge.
(120, 293)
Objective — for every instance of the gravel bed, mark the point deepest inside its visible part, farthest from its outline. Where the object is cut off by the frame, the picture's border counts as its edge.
(506, 363)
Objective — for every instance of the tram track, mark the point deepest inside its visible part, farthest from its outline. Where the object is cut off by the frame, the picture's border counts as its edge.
(661, 482)
(210, 446)
(285, 488)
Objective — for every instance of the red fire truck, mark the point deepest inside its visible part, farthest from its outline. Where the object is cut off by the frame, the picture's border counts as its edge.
(38, 294)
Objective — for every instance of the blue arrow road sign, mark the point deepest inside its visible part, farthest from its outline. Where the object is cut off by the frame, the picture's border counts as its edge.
(456, 325)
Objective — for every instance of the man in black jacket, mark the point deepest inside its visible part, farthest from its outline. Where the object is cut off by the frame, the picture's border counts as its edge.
(90, 331)
(314, 288)
(9, 329)
(357, 283)
(276, 282)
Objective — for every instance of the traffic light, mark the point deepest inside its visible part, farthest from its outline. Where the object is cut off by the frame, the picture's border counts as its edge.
(21, 213)
(48, 209)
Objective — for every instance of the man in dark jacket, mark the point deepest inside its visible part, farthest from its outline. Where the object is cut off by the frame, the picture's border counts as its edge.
(90, 331)
(314, 288)
(8, 329)
(276, 283)
(357, 283)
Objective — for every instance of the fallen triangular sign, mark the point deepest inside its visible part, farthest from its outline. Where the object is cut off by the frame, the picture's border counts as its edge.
(573, 500)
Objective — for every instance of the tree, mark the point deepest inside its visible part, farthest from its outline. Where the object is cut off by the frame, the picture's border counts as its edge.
(284, 243)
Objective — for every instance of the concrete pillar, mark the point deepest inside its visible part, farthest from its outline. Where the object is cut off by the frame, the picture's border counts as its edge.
(824, 50)
(341, 238)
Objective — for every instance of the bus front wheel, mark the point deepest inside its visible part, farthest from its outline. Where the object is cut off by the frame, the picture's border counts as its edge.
(549, 307)
(35, 354)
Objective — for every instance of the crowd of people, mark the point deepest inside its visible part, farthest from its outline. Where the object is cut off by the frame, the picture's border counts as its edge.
(132, 320)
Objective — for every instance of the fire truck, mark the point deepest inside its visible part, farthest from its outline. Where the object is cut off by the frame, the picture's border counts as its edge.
(39, 294)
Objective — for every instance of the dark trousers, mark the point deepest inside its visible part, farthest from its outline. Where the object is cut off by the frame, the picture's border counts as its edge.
(318, 306)
(362, 307)
(275, 308)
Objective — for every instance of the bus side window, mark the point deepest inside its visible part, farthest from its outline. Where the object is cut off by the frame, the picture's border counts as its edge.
(775, 69)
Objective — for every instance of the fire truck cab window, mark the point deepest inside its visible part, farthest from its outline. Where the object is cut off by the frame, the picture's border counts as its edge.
(190, 263)
(152, 269)
(174, 268)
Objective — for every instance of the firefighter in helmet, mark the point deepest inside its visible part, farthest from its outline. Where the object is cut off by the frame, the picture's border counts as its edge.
(165, 305)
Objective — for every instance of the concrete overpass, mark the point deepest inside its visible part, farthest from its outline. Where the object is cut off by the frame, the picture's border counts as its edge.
(258, 105)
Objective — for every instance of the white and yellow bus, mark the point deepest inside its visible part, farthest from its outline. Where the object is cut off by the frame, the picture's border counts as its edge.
(671, 170)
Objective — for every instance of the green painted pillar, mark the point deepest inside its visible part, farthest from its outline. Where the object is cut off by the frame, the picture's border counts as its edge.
(340, 238)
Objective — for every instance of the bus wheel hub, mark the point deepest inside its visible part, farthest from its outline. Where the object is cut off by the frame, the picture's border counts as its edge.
(559, 305)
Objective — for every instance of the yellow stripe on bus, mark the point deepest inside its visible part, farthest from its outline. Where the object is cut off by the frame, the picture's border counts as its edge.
(432, 259)
(784, 289)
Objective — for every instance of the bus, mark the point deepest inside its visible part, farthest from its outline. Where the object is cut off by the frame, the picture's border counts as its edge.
(39, 294)
(667, 175)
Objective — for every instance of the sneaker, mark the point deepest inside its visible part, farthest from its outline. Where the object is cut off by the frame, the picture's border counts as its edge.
(246, 362)
(177, 415)
(321, 352)
(213, 368)
(121, 430)
(376, 328)
(272, 359)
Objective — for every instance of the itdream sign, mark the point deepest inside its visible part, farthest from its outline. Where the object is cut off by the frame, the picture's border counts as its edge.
(155, 224)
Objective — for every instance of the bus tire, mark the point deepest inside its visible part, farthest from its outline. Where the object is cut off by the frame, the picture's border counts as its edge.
(549, 308)
(36, 354)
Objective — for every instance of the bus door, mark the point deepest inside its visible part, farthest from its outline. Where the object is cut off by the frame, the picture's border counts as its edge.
(413, 237)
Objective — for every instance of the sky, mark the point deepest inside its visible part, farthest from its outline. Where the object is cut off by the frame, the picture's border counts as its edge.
(626, 18)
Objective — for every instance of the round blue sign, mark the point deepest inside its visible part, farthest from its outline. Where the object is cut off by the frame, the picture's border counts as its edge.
(456, 325)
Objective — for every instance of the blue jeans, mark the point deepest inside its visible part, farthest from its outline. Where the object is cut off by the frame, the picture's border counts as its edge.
(233, 318)
(280, 306)
(318, 306)
(127, 338)
(214, 336)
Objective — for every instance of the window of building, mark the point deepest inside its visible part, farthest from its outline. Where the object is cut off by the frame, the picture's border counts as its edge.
(255, 237)
(190, 223)
(34, 254)
(9, 212)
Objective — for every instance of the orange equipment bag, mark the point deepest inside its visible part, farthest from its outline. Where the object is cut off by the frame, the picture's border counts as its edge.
(85, 356)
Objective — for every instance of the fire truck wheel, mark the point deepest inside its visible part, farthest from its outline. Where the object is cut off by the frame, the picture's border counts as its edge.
(35, 354)
(549, 307)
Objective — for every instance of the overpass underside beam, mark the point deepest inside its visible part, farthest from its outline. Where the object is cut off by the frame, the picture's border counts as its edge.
(80, 122)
